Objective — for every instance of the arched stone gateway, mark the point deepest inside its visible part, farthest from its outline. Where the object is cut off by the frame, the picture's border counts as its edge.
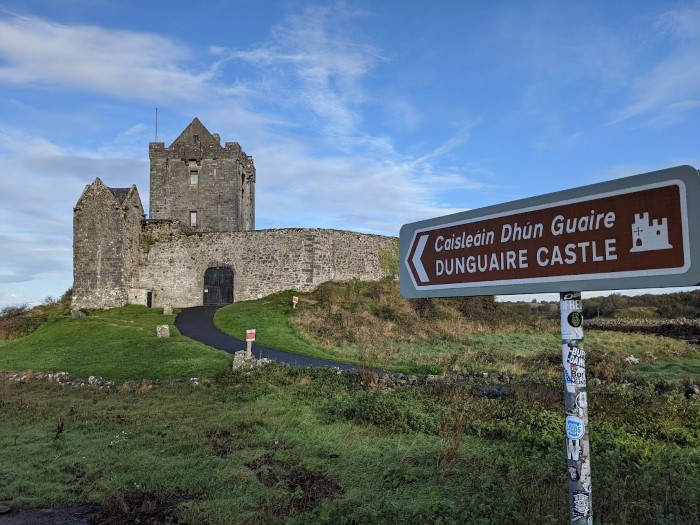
(218, 286)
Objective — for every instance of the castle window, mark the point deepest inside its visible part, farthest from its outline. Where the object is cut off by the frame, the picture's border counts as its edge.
(196, 138)
(193, 218)
(194, 177)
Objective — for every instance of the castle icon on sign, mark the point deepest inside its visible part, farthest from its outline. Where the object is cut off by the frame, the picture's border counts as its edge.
(648, 236)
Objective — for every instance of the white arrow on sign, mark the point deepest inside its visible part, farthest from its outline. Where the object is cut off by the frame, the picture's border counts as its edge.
(417, 263)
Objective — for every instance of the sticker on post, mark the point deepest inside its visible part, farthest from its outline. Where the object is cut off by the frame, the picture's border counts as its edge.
(576, 355)
(574, 449)
(581, 505)
(586, 475)
(571, 324)
(575, 427)
(575, 377)
(573, 473)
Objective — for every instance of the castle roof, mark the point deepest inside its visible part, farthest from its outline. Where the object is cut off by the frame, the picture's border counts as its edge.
(196, 133)
(120, 193)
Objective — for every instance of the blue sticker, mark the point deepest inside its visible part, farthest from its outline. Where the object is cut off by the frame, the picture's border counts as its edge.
(575, 427)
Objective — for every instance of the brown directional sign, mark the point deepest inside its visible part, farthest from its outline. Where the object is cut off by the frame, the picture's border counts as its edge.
(636, 232)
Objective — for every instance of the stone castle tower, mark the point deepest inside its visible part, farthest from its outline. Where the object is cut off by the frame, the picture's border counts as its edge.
(203, 185)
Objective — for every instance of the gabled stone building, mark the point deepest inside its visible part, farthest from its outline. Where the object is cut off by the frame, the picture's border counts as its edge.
(199, 245)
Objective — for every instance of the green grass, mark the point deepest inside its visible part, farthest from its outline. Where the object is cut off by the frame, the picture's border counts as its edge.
(118, 344)
(673, 370)
(508, 352)
(270, 319)
(296, 446)
(262, 447)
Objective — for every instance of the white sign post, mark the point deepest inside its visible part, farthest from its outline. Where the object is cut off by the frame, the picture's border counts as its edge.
(295, 300)
(576, 402)
(636, 232)
(249, 338)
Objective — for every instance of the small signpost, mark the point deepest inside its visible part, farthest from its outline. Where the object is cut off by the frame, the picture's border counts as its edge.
(635, 232)
(249, 338)
(295, 300)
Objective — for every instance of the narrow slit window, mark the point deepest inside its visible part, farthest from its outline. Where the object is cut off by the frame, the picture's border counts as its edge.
(193, 218)
(194, 177)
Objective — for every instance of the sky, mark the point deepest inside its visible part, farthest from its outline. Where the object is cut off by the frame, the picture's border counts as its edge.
(360, 115)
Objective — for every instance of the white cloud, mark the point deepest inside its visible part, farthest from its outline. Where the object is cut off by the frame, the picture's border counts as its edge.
(314, 62)
(667, 91)
(125, 64)
(41, 183)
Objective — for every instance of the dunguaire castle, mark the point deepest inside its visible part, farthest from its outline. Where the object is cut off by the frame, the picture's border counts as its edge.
(199, 244)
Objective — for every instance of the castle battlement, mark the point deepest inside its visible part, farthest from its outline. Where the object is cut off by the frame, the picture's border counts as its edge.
(649, 235)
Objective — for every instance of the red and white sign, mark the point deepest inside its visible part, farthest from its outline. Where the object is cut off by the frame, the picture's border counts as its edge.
(295, 299)
(632, 231)
(250, 335)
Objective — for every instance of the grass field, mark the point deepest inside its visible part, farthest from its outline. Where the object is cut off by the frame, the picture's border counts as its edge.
(292, 446)
(308, 446)
(511, 351)
(118, 344)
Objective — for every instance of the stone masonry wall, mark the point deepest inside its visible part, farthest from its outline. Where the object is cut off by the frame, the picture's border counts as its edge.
(222, 193)
(264, 261)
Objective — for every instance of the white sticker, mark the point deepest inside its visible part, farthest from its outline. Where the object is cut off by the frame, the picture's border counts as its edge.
(575, 427)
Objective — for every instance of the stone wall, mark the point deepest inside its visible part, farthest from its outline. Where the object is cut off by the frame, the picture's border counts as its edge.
(263, 262)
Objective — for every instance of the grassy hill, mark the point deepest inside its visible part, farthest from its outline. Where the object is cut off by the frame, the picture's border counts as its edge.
(369, 323)
(118, 344)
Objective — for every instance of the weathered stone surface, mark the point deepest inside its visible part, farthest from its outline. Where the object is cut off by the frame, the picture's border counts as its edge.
(106, 233)
(77, 314)
(163, 330)
(241, 360)
(263, 262)
(196, 174)
(167, 310)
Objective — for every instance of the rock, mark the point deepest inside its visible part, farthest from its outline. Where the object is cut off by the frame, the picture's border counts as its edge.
(167, 310)
(631, 360)
(95, 380)
(61, 377)
(77, 314)
(5, 509)
(692, 391)
(432, 378)
(241, 360)
(163, 330)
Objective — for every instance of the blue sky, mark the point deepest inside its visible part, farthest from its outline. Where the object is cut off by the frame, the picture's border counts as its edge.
(360, 115)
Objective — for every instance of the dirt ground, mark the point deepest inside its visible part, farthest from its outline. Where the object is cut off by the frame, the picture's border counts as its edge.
(76, 514)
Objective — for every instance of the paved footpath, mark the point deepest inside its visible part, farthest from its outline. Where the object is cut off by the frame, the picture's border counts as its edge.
(198, 323)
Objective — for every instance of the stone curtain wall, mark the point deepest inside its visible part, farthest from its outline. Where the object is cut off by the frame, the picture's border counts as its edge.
(264, 261)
